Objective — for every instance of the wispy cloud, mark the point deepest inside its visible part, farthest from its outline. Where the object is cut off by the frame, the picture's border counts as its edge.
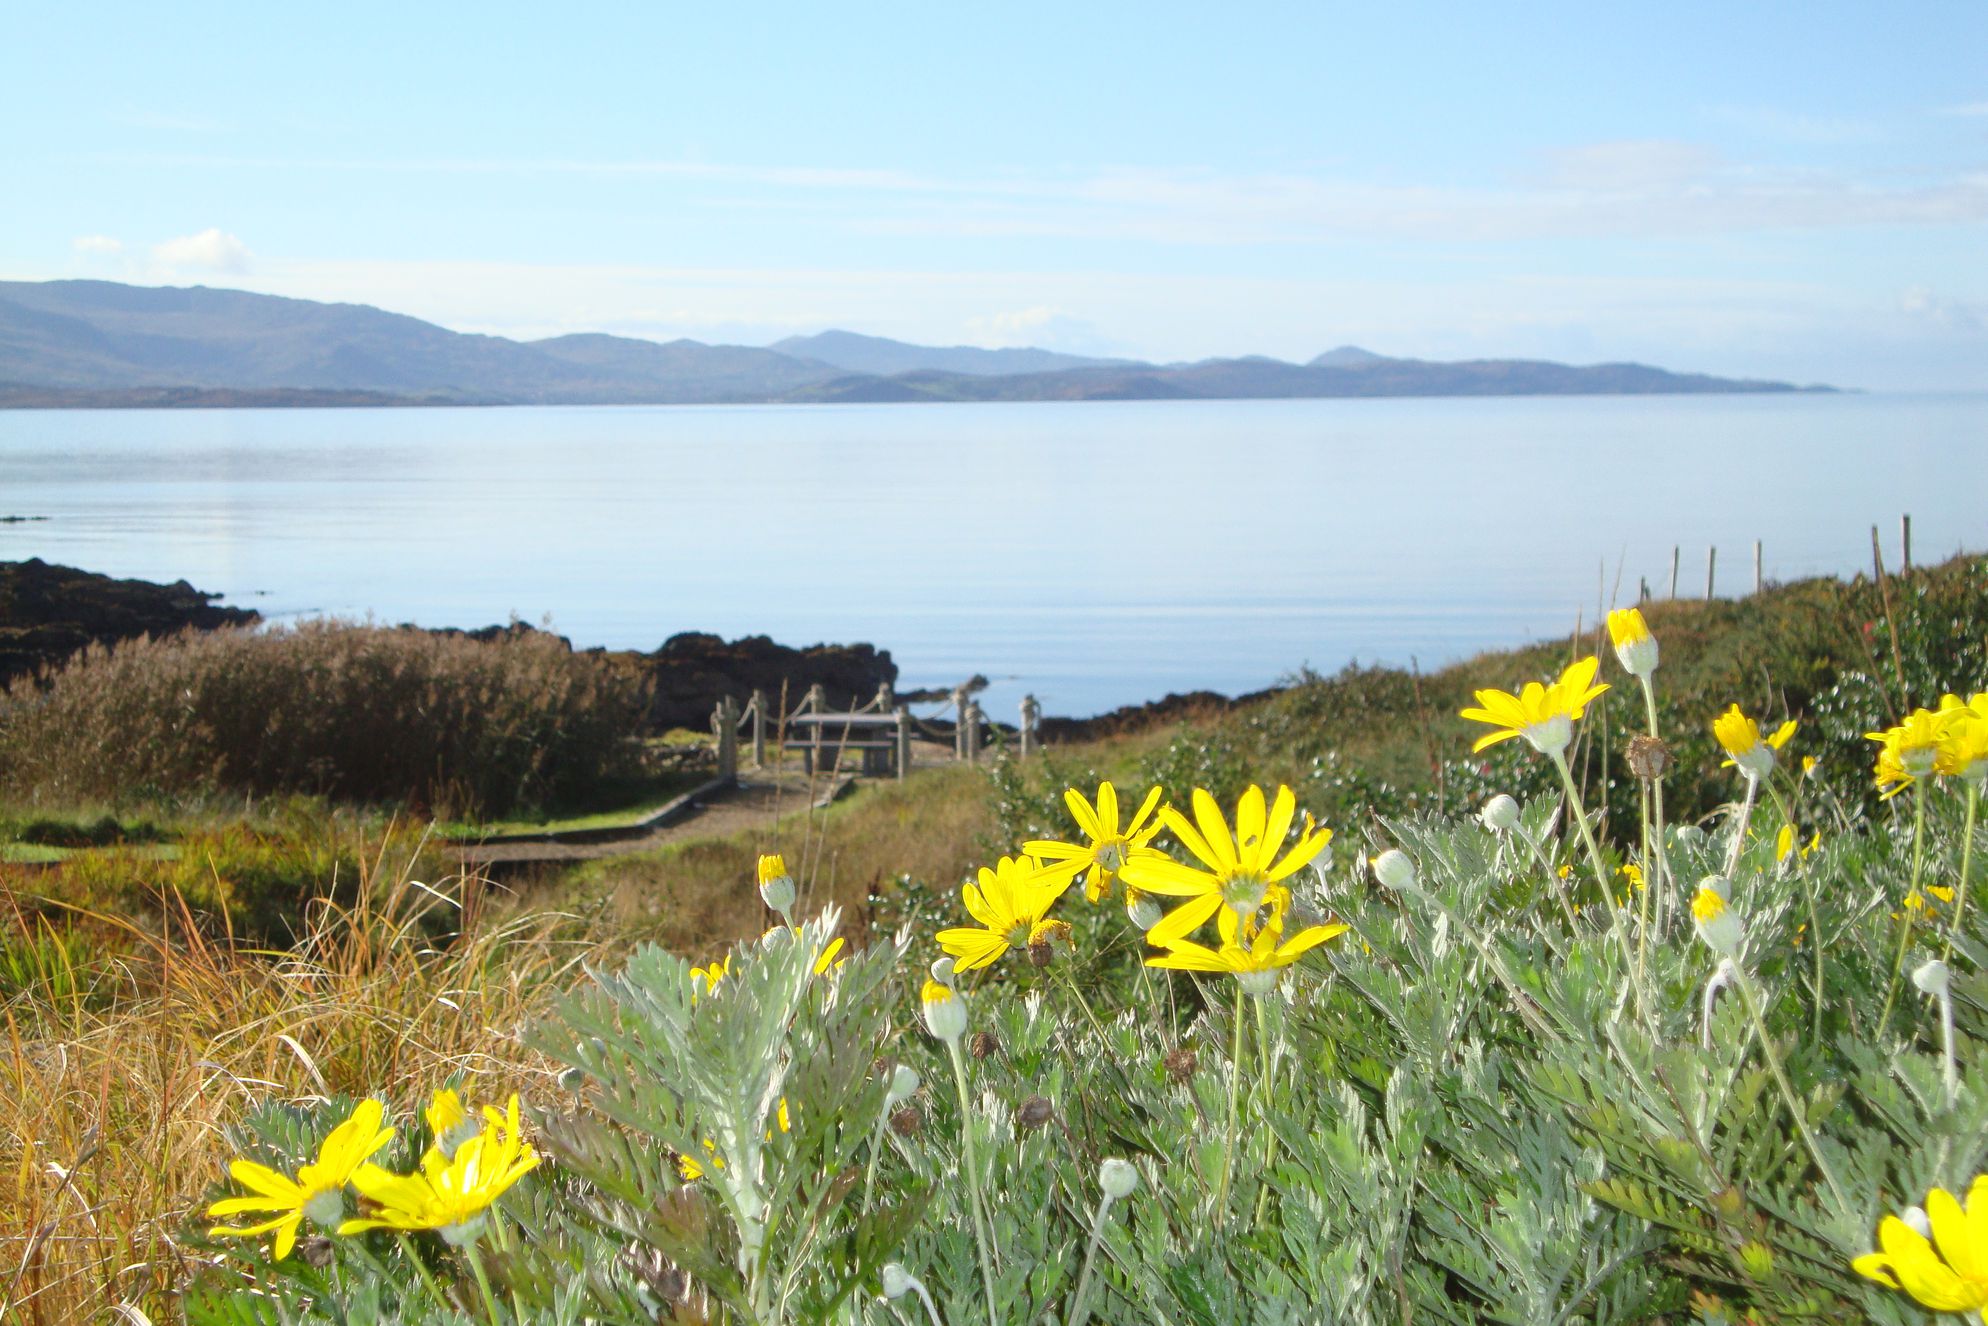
(1639, 188)
(97, 244)
(1786, 126)
(211, 250)
(1972, 109)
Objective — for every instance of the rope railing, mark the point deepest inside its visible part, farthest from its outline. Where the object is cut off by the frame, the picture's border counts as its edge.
(970, 733)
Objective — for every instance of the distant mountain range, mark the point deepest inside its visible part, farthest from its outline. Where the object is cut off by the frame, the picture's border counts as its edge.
(102, 343)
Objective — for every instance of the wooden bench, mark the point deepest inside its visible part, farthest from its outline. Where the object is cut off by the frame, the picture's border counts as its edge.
(823, 737)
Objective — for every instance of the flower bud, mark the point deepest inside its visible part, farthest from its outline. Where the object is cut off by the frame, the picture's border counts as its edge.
(1118, 1179)
(945, 1011)
(1688, 835)
(1035, 1112)
(776, 886)
(1932, 978)
(1144, 912)
(1500, 814)
(1721, 930)
(907, 1121)
(897, 1281)
(1394, 870)
(1180, 1064)
(983, 1045)
(1635, 647)
(1720, 885)
(942, 970)
(1915, 1220)
(903, 1085)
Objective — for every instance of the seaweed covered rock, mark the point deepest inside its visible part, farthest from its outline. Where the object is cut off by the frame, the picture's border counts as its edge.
(48, 612)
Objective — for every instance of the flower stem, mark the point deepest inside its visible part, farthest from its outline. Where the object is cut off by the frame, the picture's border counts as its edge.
(1657, 866)
(1966, 861)
(1579, 813)
(483, 1283)
(1752, 1001)
(1739, 830)
(1235, 1084)
(427, 1277)
(981, 1235)
(1913, 901)
(876, 1148)
(1080, 1310)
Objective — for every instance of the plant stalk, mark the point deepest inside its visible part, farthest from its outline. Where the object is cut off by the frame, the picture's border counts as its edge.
(1754, 1011)
(981, 1234)
(1966, 862)
(1913, 901)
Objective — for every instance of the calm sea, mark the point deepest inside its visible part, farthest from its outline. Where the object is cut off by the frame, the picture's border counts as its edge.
(1095, 554)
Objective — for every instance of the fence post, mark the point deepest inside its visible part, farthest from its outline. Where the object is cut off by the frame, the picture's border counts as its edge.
(1756, 566)
(886, 698)
(903, 741)
(1031, 714)
(1676, 554)
(1643, 594)
(1711, 564)
(725, 723)
(959, 722)
(1905, 540)
(759, 729)
(816, 701)
(972, 730)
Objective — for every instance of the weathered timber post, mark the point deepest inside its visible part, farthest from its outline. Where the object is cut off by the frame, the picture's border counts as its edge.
(1676, 554)
(1905, 541)
(1757, 582)
(1643, 589)
(1031, 715)
(758, 708)
(725, 725)
(972, 729)
(959, 722)
(903, 741)
(886, 698)
(1711, 565)
(816, 701)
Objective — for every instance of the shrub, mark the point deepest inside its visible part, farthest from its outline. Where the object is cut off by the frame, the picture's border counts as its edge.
(357, 713)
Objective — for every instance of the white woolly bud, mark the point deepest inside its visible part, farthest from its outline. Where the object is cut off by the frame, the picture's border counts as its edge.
(1144, 912)
(897, 1281)
(1932, 978)
(903, 1085)
(1915, 1219)
(1393, 869)
(942, 970)
(1118, 1178)
(1500, 814)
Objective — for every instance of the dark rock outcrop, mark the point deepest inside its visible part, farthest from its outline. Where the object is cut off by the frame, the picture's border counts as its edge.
(49, 612)
(693, 669)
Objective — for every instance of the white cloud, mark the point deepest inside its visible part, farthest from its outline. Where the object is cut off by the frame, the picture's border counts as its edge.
(1972, 109)
(103, 244)
(1629, 166)
(1042, 325)
(1921, 301)
(212, 250)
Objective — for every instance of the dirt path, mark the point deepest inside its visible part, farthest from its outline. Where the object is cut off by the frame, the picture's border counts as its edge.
(761, 797)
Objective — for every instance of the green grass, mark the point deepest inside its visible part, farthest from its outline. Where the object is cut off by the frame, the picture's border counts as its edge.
(623, 805)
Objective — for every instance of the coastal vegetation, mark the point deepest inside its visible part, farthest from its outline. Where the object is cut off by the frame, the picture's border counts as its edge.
(1460, 1058)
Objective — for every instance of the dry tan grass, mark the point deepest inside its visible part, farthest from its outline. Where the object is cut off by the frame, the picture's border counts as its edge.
(115, 1087)
(699, 897)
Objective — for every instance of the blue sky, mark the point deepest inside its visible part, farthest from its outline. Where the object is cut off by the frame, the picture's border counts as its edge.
(1794, 191)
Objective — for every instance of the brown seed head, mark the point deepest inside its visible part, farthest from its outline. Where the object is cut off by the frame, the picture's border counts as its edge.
(1035, 1112)
(1180, 1064)
(907, 1121)
(984, 1045)
(316, 1251)
(1648, 757)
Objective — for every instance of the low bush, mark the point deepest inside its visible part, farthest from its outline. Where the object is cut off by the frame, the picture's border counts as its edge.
(355, 713)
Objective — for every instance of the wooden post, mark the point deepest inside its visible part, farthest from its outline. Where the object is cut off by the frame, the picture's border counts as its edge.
(1031, 714)
(886, 698)
(1877, 556)
(758, 729)
(1643, 589)
(971, 728)
(1756, 566)
(1711, 565)
(1676, 554)
(816, 701)
(959, 722)
(1905, 541)
(725, 723)
(903, 741)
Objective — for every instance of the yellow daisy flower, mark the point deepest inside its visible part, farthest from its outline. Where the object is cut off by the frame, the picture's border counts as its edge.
(1947, 1272)
(450, 1193)
(1543, 715)
(1257, 962)
(318, 1191)
(703, 980)
(1108, 849)
(1012, 903)
(1242, 868)
(1745, 748)
(1635, 647)
(1965, 751)
(691, 1170)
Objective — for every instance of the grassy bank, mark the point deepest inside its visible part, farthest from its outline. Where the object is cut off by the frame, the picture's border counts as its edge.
(168, 973)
